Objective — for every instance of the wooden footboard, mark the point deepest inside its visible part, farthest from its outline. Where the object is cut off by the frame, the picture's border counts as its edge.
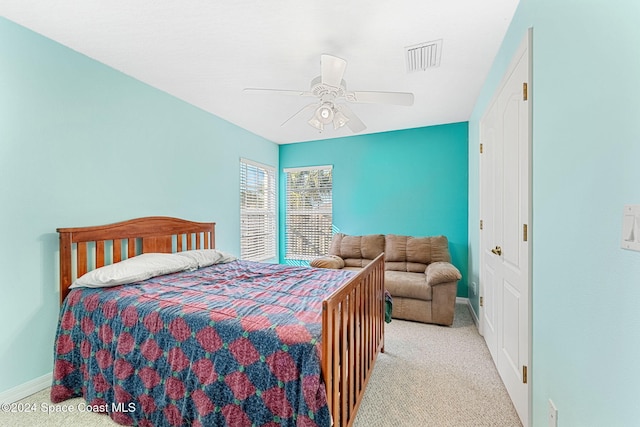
(352, 337)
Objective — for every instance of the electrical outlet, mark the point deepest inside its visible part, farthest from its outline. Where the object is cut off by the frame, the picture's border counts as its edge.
(474, 288)
(553, 414)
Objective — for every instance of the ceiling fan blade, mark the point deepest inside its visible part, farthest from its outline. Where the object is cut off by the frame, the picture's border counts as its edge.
(354, 123)
(396, 98)
(278, 91)
(308, 107)
(332, 69)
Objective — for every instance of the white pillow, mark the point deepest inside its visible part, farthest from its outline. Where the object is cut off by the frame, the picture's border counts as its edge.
(207, 257)
(135, 269)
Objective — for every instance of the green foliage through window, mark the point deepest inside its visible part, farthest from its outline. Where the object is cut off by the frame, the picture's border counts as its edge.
(309, 212)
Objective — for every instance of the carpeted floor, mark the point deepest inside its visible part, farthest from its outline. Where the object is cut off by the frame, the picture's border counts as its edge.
(436, 376)
(428, 376)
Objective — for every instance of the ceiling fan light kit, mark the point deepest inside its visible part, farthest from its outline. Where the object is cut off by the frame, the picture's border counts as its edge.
(325, 114)
(339, 120)
(329, 87)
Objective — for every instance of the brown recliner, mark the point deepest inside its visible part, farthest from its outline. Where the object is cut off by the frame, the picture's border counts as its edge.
(418, 272)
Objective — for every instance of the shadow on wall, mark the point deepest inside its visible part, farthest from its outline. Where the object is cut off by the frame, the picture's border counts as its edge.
(305, 263)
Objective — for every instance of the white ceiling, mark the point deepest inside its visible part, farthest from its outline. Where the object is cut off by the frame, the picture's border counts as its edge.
(206, 51)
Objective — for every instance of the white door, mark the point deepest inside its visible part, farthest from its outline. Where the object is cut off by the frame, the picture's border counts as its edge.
(491, 196)
(505, 212)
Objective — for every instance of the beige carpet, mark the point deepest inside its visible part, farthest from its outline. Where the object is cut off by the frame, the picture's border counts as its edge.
(428, 376)
(436, 376)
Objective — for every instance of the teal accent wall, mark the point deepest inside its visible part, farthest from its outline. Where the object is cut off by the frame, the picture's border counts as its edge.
(586, 148)
(83, 144)
(411, 182)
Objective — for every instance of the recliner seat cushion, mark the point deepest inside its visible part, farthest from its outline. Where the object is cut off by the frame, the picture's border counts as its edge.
(408, 285)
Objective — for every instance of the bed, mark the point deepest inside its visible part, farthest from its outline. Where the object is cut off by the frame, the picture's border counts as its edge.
(230, 343)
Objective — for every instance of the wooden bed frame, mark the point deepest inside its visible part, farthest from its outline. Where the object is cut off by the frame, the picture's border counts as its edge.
(352, 317)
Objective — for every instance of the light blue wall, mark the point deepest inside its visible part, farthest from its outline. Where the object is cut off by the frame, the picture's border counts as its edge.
(82, 144)
(586, 151)
(411, 182)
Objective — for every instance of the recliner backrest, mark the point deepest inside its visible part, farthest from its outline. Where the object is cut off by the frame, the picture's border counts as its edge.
(413, 254)
(402, 253)
(357, 251)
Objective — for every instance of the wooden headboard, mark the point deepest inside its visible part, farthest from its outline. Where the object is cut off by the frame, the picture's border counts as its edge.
(83, 249)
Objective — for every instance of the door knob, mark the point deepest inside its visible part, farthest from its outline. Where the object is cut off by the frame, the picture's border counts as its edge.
(497, 250)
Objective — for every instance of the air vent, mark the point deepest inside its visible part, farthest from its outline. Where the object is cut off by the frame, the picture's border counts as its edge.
(423, 56)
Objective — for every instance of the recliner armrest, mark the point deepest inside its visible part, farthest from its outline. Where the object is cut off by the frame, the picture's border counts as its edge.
(441, 272)
(328, 261)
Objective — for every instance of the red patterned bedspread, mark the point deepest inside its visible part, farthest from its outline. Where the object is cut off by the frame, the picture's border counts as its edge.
(232, 344)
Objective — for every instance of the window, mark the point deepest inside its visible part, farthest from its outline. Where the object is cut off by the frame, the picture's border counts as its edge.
(309, 212)
(257, 211)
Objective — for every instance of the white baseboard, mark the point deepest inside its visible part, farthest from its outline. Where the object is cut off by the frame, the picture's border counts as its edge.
(26, 389)
(474, 315)
(462, 300)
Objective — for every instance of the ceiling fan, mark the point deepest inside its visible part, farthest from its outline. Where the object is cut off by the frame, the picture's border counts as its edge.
(330, 88)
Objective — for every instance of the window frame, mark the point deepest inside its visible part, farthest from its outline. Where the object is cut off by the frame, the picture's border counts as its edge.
(323, 211)
(262, 236)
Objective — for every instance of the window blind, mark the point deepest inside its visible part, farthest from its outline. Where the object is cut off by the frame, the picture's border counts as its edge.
(309, 212)
(257, 211)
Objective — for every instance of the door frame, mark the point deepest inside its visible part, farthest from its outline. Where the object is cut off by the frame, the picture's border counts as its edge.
(527, 43)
